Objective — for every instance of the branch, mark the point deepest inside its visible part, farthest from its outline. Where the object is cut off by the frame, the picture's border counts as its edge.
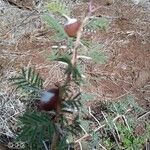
(77, 42)
(91, 10)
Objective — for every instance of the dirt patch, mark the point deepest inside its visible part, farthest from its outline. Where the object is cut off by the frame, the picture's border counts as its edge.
(127, 71)
(125, 41)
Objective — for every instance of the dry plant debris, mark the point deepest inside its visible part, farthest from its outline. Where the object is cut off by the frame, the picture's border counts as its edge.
(24, 41)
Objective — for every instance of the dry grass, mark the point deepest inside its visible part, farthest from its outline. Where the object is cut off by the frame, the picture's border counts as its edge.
(10, 105)
(126, 42)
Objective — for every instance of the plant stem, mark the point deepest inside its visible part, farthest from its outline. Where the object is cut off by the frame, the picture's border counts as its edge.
(74, 62)
(77, 42)
(91, 10)
(67, 17)
(55, 141)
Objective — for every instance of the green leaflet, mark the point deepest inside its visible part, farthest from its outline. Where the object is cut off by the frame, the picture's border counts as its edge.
(70, 69)
(58, 7)
(28, 80)
(98, 56)
(53, 23)
(37, 127)
(98, 23)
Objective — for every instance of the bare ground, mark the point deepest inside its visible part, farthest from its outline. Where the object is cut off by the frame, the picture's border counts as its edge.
(24, 41)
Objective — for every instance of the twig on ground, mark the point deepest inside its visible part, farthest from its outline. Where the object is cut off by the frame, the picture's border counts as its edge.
(94, 116)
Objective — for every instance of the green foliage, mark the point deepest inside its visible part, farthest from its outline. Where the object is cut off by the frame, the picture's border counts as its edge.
(98, 23)
(108, 144)
(54, 24)
(127, 106)
(94, 141)
(116, 133)
(52, 56)
(122, 106)
(40, 127)
(94, 50)
(128, 139)
(87, 43)
(66, 59)
(97, 56)
(56, 6)
(70, 70)
(62, 144)
(28, 80)
(37, 127)
(73, 128)
(86, 97)
(72, 103)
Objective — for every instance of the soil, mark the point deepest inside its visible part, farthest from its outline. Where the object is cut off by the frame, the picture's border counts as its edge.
(125, 41)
